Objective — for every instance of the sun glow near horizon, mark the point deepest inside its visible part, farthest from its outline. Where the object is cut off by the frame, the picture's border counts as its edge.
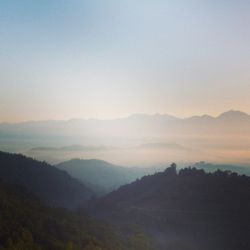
(94, 59)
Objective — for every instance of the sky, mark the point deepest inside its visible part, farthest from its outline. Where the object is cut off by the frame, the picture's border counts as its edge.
(63, 59)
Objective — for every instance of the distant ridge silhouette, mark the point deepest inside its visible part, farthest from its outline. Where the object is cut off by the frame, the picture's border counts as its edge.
(51, 185)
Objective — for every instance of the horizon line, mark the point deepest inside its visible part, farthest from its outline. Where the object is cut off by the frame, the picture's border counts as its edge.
(126, 117)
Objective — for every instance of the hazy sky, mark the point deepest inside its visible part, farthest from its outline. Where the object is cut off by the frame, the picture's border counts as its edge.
(61, 59)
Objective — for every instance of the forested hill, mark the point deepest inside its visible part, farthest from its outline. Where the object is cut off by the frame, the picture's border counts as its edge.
(26, 224)
(187, 210)
(101, 176)
(51, 185)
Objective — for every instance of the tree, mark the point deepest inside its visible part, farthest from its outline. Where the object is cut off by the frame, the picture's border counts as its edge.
(171, 171)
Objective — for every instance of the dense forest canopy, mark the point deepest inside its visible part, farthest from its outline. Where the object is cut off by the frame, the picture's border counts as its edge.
(190, 208)
(51, 185)
(173, 209)
(26, 224)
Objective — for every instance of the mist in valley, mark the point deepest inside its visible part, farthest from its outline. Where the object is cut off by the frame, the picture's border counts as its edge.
(124, 125)
(138, 140)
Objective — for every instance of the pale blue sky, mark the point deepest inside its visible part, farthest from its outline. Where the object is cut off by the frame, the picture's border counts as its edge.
(104, 59)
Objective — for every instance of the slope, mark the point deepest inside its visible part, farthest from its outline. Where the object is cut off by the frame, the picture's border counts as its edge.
(102, 176)
(54, 186)
(185, 210)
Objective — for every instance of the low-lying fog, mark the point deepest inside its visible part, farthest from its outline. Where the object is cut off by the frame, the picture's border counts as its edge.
(139, 140)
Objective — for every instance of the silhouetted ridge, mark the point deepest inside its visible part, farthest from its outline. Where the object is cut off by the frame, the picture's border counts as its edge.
(234, 115)
(225, 187)
(204, 210)
(55, 187)
(101, 176)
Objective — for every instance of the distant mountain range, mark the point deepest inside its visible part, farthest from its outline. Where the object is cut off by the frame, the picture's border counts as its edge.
(232, 115)
(53, 186)
(88, 126)
(210, 168)
(144, 139)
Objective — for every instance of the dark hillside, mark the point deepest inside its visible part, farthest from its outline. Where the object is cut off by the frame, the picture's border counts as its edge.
(26, 224)
(54, 186)
(101, 176)
(186, 210)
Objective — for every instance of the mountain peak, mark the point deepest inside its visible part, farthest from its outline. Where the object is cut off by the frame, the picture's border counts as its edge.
(234, 115)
